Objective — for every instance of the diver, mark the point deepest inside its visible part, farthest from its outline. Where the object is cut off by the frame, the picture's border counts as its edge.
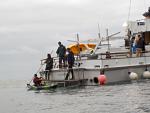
(61, 52)
(70, 60)
(49, 66)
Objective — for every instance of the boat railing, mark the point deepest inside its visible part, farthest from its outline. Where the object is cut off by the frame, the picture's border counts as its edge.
(114, 55)
(55, 62)
(100, 56)
(120, 55)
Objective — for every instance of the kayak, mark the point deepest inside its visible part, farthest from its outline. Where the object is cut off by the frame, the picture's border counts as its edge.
(43, 87)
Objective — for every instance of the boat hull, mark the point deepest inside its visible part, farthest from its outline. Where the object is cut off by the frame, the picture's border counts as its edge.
(46, 87)
(113, 74)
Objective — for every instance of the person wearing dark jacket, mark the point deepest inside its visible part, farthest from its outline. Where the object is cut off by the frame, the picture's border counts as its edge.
(49, 65)
(140, 46)
(70, 60)
(61, 52)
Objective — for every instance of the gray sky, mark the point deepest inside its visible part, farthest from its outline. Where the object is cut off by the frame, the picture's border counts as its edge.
(29, 29)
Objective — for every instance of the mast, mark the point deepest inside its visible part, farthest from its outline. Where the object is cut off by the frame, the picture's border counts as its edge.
(99, 35)
(78, 46)
(107, 39)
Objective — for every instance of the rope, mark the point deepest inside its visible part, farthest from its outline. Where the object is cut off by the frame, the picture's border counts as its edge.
(39, 68)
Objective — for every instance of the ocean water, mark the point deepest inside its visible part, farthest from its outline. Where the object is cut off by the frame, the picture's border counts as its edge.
(133, 97)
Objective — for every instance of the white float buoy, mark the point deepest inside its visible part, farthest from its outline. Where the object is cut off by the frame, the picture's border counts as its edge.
(146, 74)
(133, 76)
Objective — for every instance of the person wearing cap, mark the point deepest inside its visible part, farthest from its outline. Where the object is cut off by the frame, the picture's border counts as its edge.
(70, 60)
(61, 53)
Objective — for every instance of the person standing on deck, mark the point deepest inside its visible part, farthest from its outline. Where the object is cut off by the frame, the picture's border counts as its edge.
(140, 46)
(70, 60)
(143, 42)
(133, 45)
(49, 65)
(61, 52)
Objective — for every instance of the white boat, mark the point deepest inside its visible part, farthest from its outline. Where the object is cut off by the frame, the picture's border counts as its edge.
(122, 66)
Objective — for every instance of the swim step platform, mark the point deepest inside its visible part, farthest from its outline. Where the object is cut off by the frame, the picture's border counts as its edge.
(66, 83)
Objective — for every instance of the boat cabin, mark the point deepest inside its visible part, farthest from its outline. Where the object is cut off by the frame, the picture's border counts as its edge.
(140, 26)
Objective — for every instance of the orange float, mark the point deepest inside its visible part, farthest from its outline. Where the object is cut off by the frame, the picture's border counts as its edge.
(102, 79)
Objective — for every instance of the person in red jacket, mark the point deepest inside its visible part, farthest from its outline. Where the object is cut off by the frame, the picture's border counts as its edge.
(36, 80)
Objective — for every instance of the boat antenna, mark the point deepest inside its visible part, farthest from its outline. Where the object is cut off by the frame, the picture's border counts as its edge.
(99, 35)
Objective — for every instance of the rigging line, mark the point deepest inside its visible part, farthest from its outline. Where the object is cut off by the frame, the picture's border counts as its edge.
(129, 10)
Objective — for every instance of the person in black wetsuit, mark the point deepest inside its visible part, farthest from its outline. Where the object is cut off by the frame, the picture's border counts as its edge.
(49, 65)
(61, 52)
(70, 60)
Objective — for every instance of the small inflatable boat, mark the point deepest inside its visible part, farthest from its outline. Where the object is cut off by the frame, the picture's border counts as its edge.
(43, 87)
